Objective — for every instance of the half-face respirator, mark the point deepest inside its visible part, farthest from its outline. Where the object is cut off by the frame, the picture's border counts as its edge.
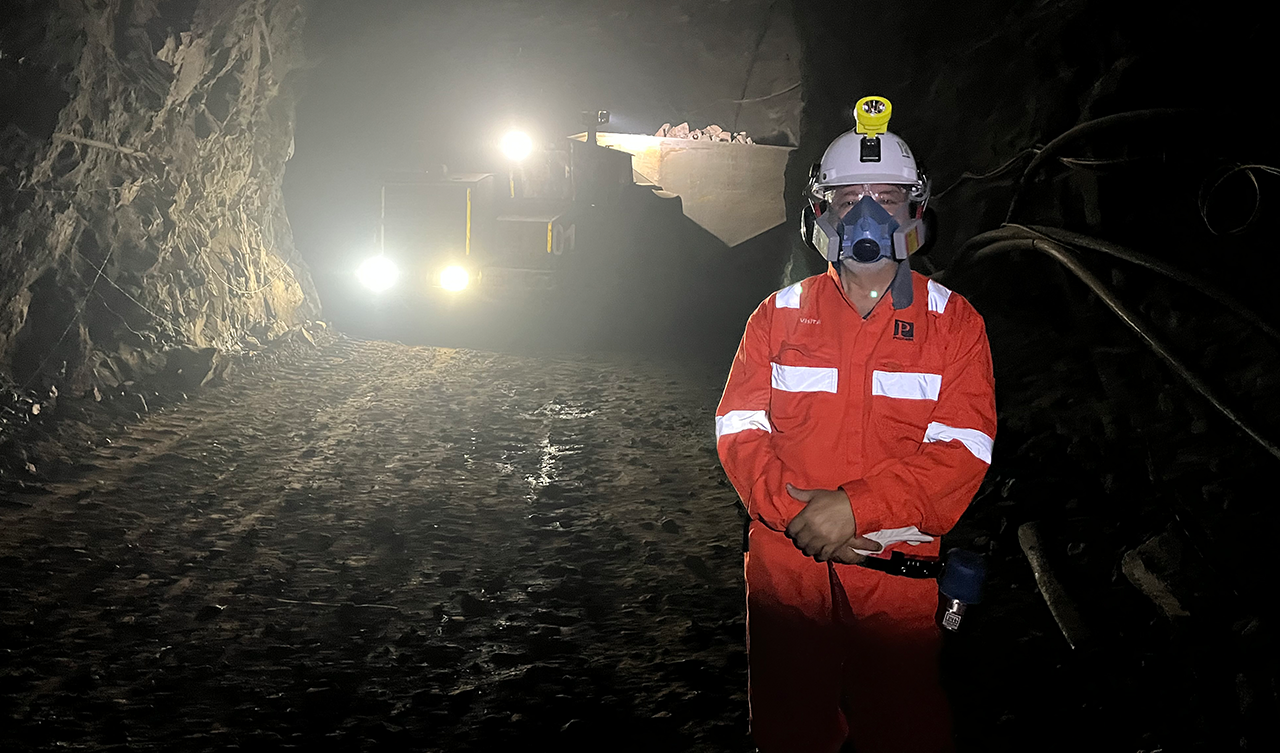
(865, 234)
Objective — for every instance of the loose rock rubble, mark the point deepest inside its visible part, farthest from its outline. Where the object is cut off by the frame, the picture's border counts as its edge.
(710, 133)
(40, 429)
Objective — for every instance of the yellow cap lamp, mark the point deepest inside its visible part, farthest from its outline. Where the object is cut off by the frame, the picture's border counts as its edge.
(872, 114)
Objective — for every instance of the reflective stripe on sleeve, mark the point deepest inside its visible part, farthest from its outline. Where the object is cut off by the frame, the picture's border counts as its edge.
(906, 385)
(977, 442)
(788, 297)
(938, 297)
(804, 378)
(740, 420)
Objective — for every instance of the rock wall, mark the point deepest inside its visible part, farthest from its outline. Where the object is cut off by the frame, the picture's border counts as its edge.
(140, 185)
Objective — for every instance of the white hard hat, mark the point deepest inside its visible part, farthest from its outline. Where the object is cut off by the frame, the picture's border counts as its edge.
(845, 163)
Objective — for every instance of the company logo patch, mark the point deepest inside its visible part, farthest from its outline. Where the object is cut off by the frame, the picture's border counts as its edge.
(904, 330)
(807, 320)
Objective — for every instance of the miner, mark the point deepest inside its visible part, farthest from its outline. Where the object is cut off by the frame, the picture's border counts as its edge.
(858, 419)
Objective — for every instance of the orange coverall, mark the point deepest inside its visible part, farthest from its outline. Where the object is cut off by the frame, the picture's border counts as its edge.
(898, 410)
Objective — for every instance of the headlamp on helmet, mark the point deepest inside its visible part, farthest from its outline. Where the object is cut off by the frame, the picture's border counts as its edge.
(872, 114)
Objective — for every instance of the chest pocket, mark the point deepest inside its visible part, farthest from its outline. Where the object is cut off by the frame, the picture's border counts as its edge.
(903, 399)
(804, 383)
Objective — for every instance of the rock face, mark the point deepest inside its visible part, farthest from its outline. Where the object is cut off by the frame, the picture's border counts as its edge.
(140, 185)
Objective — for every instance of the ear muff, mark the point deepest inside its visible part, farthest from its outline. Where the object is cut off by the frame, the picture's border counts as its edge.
(808, 218)
(813, 209)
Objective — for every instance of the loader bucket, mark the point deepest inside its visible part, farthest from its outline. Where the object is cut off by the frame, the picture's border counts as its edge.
(734, 191)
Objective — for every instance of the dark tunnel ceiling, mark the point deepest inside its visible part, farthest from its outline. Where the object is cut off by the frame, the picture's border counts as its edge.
(440, 81)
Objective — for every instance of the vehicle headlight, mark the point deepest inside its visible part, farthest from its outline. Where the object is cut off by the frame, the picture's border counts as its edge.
(455, 278)
(517, 145)
(378, 274)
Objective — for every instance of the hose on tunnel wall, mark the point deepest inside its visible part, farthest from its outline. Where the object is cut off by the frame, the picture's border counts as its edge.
(1168, 270)
(1014, 239)
(1209, 289)
(1050, 150)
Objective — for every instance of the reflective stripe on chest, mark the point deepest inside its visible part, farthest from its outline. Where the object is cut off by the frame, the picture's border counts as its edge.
(906, 385)
(804, 378)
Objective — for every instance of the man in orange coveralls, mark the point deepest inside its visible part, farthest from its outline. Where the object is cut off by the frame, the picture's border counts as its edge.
(859, 416)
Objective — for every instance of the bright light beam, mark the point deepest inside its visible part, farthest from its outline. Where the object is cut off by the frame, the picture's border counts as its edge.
(378, 274)
(517, 145)
(455, 279)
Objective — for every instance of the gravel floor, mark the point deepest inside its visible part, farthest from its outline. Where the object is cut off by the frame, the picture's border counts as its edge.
(379, 545)
(374, 546)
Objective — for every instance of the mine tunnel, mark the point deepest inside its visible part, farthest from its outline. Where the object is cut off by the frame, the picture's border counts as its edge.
(363, 364)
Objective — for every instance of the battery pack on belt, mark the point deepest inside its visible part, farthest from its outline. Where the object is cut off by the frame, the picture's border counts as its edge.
(960, 582)
(898, 563)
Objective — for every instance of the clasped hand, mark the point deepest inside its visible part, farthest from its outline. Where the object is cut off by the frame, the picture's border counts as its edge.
(825, 529)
